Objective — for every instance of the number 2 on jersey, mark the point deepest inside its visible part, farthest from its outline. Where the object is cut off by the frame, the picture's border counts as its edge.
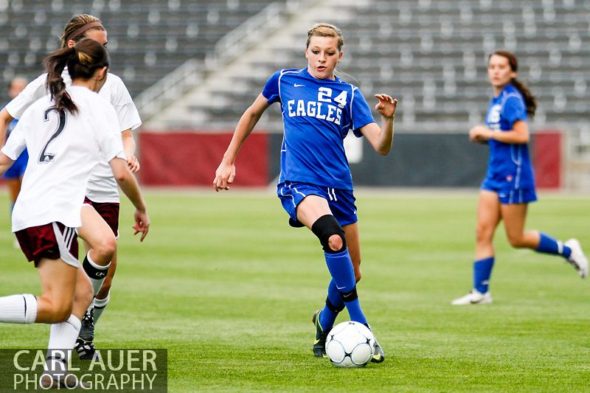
(48, 157)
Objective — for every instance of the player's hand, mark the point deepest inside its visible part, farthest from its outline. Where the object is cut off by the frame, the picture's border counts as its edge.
(133, 164)
(142, 224)
(479, 134)
(224, 176)
(386, 105)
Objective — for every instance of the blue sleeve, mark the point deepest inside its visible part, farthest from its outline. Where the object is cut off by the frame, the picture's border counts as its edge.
(271, 88)
(514, 110)
(361, 112)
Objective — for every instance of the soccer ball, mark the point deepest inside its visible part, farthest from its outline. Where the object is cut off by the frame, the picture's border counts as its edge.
(350, 344)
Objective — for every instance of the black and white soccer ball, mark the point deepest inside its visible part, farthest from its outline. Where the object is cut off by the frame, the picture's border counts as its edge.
(350, 344)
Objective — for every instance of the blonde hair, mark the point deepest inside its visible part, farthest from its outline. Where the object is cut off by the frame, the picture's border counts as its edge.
(78, 26)
(325, 30)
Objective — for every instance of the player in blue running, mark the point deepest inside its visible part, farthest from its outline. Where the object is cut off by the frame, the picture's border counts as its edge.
(509, 185)
(315, 185)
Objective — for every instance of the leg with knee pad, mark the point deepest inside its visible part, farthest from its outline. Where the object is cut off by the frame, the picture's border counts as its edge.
(339, 265)
(324, 228)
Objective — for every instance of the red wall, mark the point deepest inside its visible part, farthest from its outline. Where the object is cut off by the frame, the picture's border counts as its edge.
(186, 158)
(190, 159)
(546, 155)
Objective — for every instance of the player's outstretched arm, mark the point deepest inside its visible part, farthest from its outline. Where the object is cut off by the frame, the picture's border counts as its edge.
(130, 187)
(226, 171)
(381, 138)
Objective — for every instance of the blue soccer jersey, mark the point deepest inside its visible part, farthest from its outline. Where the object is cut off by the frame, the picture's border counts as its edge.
(317, 116)
(509, 165)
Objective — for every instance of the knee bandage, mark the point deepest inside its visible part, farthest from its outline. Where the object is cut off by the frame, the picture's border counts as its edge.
(325, 227)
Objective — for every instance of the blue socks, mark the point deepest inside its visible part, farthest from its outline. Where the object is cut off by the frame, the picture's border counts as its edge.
(331, 310)
(340, 267)
(548, 245)
(482, 270)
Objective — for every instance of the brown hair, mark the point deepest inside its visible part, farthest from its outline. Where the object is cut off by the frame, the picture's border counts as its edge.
(529, 99)
(82, 61)
(78, 26)
(325, 30)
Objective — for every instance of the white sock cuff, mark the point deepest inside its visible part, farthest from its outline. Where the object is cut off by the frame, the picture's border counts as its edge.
(63, 335)
(560, 247)
(18, 308)
(30, 308)
(101, 303)
(95, 265)
(75, 322)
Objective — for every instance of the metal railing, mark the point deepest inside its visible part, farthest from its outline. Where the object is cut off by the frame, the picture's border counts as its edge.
(187, 76)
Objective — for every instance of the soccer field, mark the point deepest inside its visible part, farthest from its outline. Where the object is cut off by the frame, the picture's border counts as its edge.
(229, 289)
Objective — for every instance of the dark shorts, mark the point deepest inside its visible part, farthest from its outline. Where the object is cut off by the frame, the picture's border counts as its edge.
(49, 241)
(341, 202)
(507, 194)
(17, 170)
(109, 211)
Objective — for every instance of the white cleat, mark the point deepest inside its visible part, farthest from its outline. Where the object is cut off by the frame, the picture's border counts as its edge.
(577, 257)
(473, 297)
(378, 354)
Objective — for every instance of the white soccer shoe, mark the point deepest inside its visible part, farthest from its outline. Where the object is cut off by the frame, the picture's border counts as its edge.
(577, 257)
(473, 297)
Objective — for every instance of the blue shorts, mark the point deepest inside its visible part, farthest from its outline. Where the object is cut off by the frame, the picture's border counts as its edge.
(341, 202)
(17, 170)
(507, 194)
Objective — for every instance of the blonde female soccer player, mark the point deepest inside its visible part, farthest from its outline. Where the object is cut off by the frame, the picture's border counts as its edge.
(315, 187)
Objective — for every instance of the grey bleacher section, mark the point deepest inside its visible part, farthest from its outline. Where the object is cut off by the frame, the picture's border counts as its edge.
(429, 53)
(147, 38)
(432, 55)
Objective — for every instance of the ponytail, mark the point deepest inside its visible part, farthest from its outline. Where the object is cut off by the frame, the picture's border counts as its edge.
(55, 64)
(529, 99)
(82, 61)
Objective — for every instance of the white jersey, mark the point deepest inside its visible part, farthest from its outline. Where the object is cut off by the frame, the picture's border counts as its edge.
(102, 187)
(63, 150)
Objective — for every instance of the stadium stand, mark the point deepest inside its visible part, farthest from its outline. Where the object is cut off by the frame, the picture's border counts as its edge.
(198, 64)
(147, 39)
(429, 53)
(432, 55)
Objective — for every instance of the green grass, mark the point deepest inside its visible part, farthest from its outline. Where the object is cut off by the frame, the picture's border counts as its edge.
(228, 288)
